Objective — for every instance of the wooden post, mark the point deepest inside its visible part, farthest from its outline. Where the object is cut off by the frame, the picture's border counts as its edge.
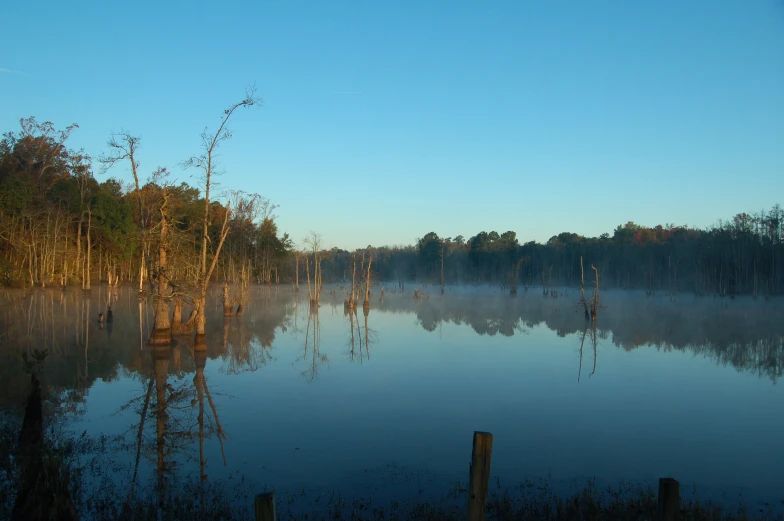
(264, 507)
(479, 475)
(669, 499)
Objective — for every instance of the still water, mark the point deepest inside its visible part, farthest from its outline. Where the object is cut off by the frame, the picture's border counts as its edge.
(387, 403)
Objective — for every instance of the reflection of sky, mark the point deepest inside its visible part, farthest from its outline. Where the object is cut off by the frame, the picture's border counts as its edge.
(415, 402)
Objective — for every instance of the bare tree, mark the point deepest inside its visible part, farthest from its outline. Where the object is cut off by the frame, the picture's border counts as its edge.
(123, 147)
(366, 303)
(314, 244)
(246, 209)
(206, 163)
(162, 330)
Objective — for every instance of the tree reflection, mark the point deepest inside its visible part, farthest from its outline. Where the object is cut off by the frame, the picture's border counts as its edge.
(589, 327)
(364, 336)
(170, 407)
(312, 342)
(743, 333)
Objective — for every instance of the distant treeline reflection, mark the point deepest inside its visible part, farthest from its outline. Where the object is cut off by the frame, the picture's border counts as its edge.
(744, 333)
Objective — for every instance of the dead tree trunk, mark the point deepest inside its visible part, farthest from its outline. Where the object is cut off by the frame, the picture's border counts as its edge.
(595, 299)
(206, 163)
(201, 300)
(582, 288)
(366, 303)
(79, 246)
(442, 267)
(245, 279)
(352, 303)
(228, 304)
(162, 329)
(515, 276)
(177, 327)
(296, 272)
(307, 272)
(86, 279)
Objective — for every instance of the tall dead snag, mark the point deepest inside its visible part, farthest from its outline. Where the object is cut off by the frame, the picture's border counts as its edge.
(80, 166)
(124, 146)
(582, 289)
(206, 163)
(595, 298)
(162, 328)
(515, 274)
(366, 303)
(86, 277)
(198, 317)
(442, 265)
(314, 241)
(307, 272)
(296, 272)
(352, 301)
(245, 212)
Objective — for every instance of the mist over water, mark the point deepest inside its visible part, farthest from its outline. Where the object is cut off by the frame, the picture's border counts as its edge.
(386, 403)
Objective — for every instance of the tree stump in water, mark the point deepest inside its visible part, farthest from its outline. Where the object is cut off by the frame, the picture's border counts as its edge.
(228, 305)
(177, 325)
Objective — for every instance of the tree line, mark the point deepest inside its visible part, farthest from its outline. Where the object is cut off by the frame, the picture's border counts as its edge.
(61, 223)
(743, 255)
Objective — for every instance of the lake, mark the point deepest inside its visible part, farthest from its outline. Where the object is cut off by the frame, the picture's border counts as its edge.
(386, 404)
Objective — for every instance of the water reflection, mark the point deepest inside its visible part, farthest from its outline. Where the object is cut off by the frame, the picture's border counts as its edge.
(364, 336)
(746, 335)
(174, 420)
(743, 333)
(312, 356)
(424, 350)
(589, 326)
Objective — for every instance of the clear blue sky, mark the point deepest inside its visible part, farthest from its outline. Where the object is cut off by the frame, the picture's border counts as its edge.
(384, 120)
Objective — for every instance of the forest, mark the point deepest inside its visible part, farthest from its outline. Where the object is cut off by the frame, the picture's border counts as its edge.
(65, 221)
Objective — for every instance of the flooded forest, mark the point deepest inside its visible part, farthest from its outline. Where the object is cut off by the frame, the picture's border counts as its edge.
(177, 329)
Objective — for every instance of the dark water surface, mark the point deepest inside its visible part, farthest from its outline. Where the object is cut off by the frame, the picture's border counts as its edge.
(687, 388)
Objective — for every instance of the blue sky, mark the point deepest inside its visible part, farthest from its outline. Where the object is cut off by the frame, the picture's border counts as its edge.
(385, 120)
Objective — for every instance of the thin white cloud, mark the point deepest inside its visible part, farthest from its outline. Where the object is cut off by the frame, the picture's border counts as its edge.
(11, 71)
